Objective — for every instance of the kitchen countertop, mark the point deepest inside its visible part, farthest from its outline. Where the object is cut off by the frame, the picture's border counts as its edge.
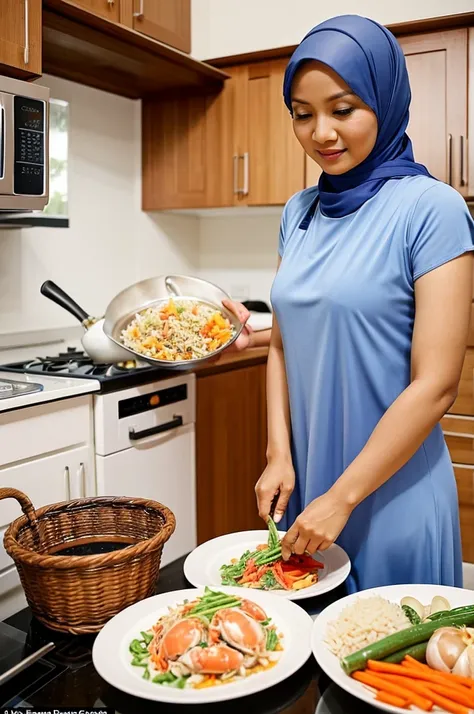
(53, 388)
(77, 684)
(234, 360)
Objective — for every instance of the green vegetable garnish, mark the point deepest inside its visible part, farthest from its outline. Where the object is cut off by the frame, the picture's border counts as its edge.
(412, 615)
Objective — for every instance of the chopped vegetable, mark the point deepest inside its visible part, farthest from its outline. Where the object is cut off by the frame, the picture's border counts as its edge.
(412, 615)
(400, 640)
(265, 569)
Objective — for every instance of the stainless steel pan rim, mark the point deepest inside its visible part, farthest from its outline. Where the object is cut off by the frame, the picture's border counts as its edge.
(154, 291)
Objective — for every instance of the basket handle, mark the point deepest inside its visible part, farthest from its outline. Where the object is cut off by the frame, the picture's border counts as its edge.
(25, 503)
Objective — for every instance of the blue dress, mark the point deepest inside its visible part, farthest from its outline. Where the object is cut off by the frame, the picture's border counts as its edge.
(344, 300)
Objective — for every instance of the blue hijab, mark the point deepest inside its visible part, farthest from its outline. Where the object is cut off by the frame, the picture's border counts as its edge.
(370, 61)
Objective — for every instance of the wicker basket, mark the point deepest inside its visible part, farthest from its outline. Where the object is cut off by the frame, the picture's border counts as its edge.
(79, 593)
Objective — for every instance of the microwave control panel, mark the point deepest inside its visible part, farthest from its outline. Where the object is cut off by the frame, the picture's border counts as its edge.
(29, 157)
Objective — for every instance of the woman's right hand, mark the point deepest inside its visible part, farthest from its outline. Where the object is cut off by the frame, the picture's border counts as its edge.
(278, 479)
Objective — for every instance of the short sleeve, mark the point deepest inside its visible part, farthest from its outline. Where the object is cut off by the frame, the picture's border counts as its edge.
(441, 228)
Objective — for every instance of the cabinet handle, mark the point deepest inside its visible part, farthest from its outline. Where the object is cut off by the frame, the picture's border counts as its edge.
(245, 190)
(236, 174)
(450, 159)
(463, 179)
(110, 2)
(140, 12)
(26, 52)
(67, 483)
(81, 474)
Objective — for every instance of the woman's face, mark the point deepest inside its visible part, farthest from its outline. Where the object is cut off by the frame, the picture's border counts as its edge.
(333, 125)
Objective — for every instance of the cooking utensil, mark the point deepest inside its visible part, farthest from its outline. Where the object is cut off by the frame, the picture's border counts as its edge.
(95, 342)
(153, 291)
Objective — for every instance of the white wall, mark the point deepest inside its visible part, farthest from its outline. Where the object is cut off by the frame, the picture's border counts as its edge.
(227, 27)
(110, 243)
(240, 254)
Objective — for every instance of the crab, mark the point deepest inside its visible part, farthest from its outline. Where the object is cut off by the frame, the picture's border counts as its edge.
(215, 659)
(177, 640)
(239, 630)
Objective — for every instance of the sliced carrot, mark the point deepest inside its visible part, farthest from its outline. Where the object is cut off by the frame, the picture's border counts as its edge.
(280, 576)
(262, 546)
(456, 695)
(380, 683)
(391, 699)
(249, 578)
(424, 690)
(427, 673)
(414, 662)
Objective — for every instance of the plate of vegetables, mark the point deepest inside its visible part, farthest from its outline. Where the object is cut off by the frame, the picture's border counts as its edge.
(252, 560)
(401, 647)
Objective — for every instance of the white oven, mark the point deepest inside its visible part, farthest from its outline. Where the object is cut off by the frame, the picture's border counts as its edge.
(145, 447)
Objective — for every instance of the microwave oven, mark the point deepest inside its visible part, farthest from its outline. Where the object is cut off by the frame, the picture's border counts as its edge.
(24, 145)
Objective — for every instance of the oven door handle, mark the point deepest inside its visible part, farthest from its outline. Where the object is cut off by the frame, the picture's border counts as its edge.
(173, 424)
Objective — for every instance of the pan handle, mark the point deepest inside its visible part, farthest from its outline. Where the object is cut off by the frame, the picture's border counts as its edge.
(172, 287)
(57, 295)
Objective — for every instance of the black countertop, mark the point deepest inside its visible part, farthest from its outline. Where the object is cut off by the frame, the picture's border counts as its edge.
(75, 683)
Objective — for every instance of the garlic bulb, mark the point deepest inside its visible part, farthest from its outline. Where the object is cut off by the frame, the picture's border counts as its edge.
(451, 649)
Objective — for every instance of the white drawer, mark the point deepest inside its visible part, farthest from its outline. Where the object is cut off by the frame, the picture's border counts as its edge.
(44, 428)
(70, 474)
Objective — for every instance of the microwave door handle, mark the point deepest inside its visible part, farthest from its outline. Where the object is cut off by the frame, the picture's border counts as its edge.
(168, 426)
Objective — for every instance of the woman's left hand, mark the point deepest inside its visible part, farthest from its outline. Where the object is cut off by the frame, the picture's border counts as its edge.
(317, 527)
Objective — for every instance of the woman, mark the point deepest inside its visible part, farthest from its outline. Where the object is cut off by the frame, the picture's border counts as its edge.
(371, 313)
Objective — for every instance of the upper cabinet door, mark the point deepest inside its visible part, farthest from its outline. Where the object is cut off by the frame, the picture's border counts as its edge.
(437, 66)
(471, 114)
(274, 161)
(168, 21)
(20, 37)
(103, 8)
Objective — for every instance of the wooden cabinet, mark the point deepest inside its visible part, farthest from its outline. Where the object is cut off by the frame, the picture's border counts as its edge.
(231, 440)
(20, 38)
(438, 68)
(236, 148)
(458, 428)
(471, 114)
(270, 160)
(110, 9)
(168, 21)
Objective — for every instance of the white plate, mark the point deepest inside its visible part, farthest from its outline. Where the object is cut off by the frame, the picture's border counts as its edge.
(202, 565)
(111, 656)
(330, 663)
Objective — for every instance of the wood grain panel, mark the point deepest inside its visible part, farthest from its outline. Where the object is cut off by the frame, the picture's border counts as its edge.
(437, 66)
(464, 403)
(17, 30)
(231, 438)
(110, 9)
(276, 161)
(95, 51)
(465, 484)
(168, 21)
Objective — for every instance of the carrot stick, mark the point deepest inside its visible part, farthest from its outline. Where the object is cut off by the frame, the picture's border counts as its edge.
(456, 695)
(424, 690)
(391, 699)
(379, 683)
(447, 676)
(427, 674)
(409, 660)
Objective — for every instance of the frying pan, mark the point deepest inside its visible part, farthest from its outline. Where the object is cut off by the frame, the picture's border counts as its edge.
(95, 342)
(153, 291)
